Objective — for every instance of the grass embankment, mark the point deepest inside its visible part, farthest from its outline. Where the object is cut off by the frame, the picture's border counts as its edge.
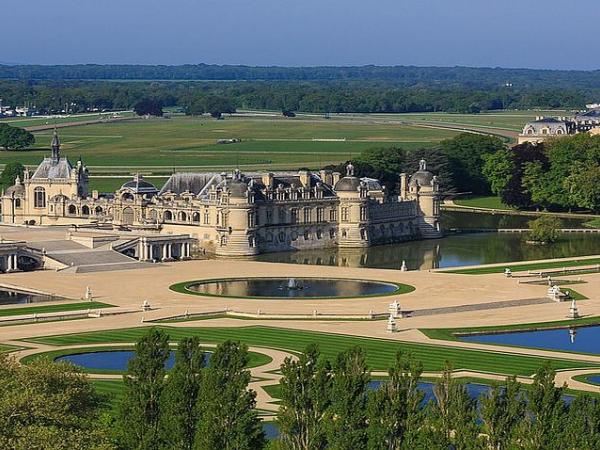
(594, 223)
(489, 202)
(380, 352)
(527, 266)
(254, 359)
(63, 307)
(450, 334)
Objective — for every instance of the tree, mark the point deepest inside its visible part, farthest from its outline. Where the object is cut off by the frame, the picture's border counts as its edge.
(11, 171)
(581, 428)
(502, 412)
(437, 163)
(196, 107)
(14, 138)
(140, 413)
(148, 107)
(583, 187)
(394, 409)
(179, 409)
(227, 418)
(453, 414)
(542, 427)
(218, 105)
(347, 420)
(305, 391)
(544, 229)
(466, 154)
(49, 406)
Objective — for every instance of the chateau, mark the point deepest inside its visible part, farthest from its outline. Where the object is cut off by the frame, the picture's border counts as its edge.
(543, 128)
(239, 214)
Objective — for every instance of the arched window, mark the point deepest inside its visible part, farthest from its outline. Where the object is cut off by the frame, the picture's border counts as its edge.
(98, 210)
(196, 217)
(127, 196)
(39, 197)
(128, 216)
(72, 209)
(85, 210)
(153, 215)
(168, 216)
(182, 216)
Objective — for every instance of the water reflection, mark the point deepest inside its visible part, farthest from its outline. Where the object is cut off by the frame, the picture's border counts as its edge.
(580, 339)
(8, 297)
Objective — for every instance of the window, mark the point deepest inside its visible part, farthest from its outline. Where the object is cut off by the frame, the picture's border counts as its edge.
(85, 210)
(39, 197)
(306, 235)
(168, 215)
(294, 215)
(196, 217)
(269, 217)
(363, 213)
(182, 217)
(345, 214)
(17, 202)
(332, 215)
(320, 215)
(251, 223)
(206, 217)
(72, 209)
(98, 211)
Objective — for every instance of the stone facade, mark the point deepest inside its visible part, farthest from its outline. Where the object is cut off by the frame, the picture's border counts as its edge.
(544, 128)
(236, 214)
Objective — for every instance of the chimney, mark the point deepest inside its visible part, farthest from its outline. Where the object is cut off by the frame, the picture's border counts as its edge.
(304, 178)
(326, 176)
(336, 177)
(403, 185)
(267, 179)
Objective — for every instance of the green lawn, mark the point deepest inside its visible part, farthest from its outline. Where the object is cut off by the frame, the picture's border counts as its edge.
(489, 202)
(112, 390)
(7, 348)
(114, 183)
(380, 352)
(191, 141)
(53, 308)
(594, 223)
(526, 266)
(39, 121)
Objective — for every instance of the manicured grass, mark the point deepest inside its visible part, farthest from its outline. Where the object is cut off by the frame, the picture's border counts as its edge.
(191, 141)
(40, 121)
(451, 333)
(182, 288)
(113, 392)
(380, 352)
(490, 202)
(7, 348)
(527, 266)
(254, 359)
(594, 223)
(53, 308)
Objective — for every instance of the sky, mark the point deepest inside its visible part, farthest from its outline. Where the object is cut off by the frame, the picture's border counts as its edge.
(550, 34)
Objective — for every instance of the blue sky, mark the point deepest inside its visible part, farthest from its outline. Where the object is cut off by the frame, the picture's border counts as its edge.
(509, 33)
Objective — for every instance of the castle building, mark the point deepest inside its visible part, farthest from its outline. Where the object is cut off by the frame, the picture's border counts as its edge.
(239, 214)
(543, 128)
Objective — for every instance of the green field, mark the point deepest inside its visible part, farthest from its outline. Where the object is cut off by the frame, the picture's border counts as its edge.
(380, 352)
(53, 308)
(56, 120)
(191, 141)
(488, 202)
(113, 183)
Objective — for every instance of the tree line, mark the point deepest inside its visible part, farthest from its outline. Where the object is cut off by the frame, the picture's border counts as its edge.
(325, 404)
(321, 96)
(558, 175)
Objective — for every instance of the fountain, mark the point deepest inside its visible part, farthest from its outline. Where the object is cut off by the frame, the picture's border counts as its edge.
(293, 285)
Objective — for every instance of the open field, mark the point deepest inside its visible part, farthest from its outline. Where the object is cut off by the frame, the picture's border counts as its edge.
(380, 352)
(56, 120)
(52, 308)
(111, 184)
(191, 141)
(527, 266)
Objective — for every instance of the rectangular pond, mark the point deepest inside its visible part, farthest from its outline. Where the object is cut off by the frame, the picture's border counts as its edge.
(10, 297)
(580, 340)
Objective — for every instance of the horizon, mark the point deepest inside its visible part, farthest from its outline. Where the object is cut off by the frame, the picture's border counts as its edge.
(424, 33)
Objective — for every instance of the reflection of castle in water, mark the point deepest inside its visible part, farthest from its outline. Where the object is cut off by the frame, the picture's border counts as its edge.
(421, 255)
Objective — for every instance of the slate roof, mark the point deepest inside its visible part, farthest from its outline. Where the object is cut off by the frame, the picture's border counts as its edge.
(48, 170)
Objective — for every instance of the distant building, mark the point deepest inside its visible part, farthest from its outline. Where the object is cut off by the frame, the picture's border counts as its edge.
(544, 128)
(235, 214)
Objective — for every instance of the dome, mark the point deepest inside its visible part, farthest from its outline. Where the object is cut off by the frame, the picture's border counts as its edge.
(421, 177)
(18, 190)
(237, 189)
(140, 186)
(348, 184)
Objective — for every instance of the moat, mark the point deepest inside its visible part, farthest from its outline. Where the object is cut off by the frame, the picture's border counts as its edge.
(461, 249)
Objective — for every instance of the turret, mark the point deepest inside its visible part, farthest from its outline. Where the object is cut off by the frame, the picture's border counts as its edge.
(55, 148)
